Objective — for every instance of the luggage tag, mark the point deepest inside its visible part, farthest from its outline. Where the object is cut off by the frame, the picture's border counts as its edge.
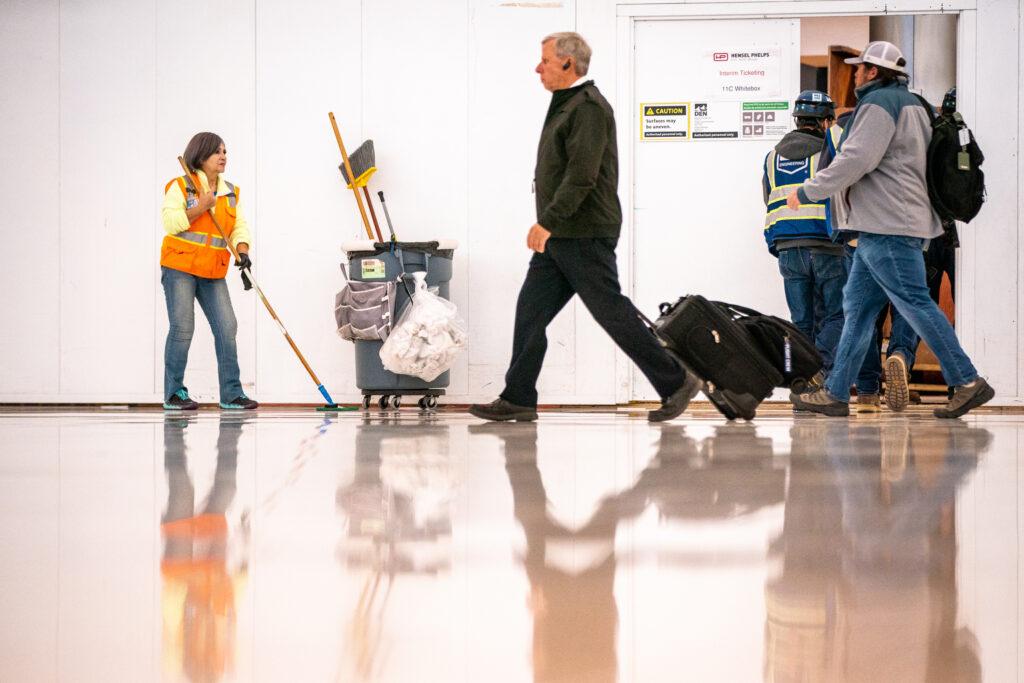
(963, 161)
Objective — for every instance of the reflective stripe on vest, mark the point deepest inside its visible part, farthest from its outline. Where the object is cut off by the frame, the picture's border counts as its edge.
(200, 238)
(808, 221)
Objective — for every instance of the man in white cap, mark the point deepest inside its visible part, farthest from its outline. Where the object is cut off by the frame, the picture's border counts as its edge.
(879, 175)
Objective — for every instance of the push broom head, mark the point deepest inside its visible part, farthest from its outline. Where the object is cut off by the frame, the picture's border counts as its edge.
(363, 165)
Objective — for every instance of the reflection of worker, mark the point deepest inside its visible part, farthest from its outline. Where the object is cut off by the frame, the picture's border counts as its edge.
(868, 585)
(198, 593)
(574, 239)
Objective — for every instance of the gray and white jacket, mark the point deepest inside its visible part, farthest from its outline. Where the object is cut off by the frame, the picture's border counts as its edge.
(878, 177)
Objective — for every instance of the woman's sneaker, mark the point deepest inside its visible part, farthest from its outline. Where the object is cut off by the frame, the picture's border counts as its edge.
(242, 402)
(966, 398)
(179, 400)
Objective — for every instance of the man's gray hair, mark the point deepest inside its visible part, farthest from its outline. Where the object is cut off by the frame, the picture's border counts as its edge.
(569, 44)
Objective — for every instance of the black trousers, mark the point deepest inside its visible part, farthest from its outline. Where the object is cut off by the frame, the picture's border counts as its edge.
(585, 267)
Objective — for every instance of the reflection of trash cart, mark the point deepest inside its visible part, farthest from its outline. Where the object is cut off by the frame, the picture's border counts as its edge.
(383, 263)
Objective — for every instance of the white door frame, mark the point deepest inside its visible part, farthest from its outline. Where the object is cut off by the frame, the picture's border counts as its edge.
(628, 14)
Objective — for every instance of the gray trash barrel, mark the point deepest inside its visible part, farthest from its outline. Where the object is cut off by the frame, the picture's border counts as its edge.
(378, 262)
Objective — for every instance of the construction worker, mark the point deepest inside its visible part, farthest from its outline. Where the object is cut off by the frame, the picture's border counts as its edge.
(811, 264)
(193, 262)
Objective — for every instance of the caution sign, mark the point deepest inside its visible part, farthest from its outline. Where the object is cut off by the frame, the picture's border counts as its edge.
(665, 120)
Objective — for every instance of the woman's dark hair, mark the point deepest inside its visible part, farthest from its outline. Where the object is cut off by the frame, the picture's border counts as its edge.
(200, 148)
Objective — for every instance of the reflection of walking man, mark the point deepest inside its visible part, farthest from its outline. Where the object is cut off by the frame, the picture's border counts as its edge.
(577, 228)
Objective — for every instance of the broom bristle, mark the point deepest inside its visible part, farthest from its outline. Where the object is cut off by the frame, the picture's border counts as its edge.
(361, 161)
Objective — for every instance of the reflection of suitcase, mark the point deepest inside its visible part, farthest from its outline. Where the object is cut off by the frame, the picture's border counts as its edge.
(737, 376)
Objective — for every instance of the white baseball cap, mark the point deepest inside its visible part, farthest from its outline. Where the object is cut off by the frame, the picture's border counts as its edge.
(881, 53)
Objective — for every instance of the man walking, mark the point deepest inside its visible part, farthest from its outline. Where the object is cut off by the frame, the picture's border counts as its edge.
(880, 172)
(574, 238)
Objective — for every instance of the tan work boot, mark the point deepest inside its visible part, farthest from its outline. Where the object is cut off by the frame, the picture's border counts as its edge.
(897, 391)
(868, 403)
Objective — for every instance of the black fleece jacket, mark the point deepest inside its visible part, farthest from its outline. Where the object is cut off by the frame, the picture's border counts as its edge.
(577, 174)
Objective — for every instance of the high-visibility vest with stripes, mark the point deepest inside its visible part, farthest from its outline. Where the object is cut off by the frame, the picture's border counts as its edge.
(809, 221)
(200, 250)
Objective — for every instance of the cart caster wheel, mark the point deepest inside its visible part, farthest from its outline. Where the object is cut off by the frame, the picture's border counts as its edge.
(396, 402)
(431, 402)
(382, 403)
(422, 403)
(367, 400)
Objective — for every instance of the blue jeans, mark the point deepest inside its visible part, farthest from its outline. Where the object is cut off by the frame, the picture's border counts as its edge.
(814, 292)
(891, 266)
(181, 290)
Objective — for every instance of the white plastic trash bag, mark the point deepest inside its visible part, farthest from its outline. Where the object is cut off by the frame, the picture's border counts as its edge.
(428, 336)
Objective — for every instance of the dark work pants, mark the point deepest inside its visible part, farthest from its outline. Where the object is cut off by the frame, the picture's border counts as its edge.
(585, 267)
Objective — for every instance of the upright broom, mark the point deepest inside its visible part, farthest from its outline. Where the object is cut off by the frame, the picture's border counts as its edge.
(348, 169)
(331, 405)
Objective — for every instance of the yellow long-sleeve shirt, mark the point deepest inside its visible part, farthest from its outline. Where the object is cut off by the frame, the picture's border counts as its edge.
(175, 220)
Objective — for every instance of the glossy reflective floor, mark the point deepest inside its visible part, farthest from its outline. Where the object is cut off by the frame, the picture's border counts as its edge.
(294, 546)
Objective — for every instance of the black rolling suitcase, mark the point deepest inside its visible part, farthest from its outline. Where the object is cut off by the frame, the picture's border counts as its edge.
(704, 336)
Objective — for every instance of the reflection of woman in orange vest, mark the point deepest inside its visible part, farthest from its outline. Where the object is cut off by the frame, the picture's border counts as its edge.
(193, 262)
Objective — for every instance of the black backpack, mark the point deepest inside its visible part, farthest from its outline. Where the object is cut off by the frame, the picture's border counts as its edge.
(956, 183)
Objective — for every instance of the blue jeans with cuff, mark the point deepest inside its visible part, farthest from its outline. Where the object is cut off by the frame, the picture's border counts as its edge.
(891, 267)
(182, 290)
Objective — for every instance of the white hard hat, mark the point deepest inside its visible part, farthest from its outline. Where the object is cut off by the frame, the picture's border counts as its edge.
(881, 53)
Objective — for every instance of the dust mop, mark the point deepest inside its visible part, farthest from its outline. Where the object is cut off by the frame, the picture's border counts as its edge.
(331, 405)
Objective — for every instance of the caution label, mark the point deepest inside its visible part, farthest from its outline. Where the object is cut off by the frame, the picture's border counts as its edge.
(665, 120)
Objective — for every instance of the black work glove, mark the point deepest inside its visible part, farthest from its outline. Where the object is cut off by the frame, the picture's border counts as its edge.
(244, 263)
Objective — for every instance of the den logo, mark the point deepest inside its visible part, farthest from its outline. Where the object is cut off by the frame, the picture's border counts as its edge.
(700, 109)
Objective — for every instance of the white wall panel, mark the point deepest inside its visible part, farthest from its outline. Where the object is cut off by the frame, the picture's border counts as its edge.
(107, 72)
(206, 81)
(305, 210)
(29, 189)
(506, 113)
(996, 245)
(415, 108)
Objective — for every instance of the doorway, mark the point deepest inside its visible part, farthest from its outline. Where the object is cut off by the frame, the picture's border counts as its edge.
(708, 99)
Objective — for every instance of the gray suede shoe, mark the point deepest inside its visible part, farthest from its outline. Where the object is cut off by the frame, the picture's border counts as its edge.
(820, 401)
(966, 398)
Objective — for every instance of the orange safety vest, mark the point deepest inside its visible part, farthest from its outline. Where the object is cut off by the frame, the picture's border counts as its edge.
(200, 250)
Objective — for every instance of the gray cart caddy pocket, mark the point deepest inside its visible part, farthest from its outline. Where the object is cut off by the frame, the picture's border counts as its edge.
(365, 310)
